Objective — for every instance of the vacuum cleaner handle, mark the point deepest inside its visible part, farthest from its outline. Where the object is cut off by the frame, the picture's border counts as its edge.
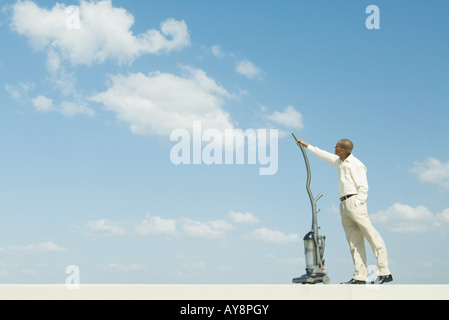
(298, 142)
(313, 200)
(296, 138)
(306, 159)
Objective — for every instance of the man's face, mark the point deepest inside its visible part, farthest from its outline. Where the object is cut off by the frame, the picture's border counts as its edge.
(339, 151)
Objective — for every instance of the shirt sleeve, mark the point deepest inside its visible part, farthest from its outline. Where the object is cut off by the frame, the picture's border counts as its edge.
(330, 158)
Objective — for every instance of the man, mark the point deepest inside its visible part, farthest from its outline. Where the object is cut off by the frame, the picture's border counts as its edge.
(353, 210)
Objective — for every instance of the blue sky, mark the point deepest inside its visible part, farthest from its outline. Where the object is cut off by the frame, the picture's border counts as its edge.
(87, 110)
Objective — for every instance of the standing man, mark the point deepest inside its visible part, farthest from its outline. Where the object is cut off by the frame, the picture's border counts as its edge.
(353, 211)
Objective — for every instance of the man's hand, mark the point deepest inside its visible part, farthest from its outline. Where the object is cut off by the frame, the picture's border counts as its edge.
(305, 144)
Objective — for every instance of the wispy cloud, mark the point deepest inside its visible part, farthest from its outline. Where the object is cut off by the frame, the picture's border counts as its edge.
(189, 228)
(248, 69)
(290, 118)
(67, 108)
(401, 218)
(205, 230)
(105, 227)
(243, 67)
(432, 171)
(274, 237)
(104, 33)
(20, 91)
(239, 218)
(37, 248)
(148, 105)
(42, 103)
(156, 226)
(217, 51)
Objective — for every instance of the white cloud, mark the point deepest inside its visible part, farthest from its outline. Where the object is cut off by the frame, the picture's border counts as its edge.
(67, 108)
(242, 66)
(432, 171)
(105, 227)
(42, 104)
(104, 33)
(248, 69)
(443, 218)
(401, 218)
(62, 79)
(39, 248)
(189, 228)
(158, 103)
(217, 51)
(289, 118)
(274, 237)
(238, 217)
(156, 226)
(20, 91)
(150, 226)
(205, 230)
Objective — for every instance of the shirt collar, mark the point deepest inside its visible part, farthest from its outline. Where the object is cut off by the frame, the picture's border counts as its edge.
(348, 159)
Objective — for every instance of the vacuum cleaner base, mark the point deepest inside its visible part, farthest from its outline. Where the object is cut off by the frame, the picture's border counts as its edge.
(313, 279)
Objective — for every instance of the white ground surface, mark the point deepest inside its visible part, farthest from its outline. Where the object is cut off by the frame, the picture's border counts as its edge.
(225, 292)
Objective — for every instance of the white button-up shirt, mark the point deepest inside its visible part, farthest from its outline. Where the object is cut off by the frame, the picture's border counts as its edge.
(352, 173)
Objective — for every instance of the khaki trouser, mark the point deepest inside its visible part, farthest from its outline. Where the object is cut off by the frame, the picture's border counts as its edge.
(357, 226)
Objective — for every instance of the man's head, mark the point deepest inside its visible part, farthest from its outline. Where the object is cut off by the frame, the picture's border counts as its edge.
(344, 148)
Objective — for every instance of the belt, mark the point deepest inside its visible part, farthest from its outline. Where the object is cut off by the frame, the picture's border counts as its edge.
(347, 197)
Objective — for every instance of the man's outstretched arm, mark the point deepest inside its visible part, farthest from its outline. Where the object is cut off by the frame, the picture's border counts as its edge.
(321, 154)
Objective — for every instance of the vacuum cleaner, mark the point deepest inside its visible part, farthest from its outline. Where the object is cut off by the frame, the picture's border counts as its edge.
(314, 244)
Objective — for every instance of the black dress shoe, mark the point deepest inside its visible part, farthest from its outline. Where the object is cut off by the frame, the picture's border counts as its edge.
(383, 279)
(354, 281)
